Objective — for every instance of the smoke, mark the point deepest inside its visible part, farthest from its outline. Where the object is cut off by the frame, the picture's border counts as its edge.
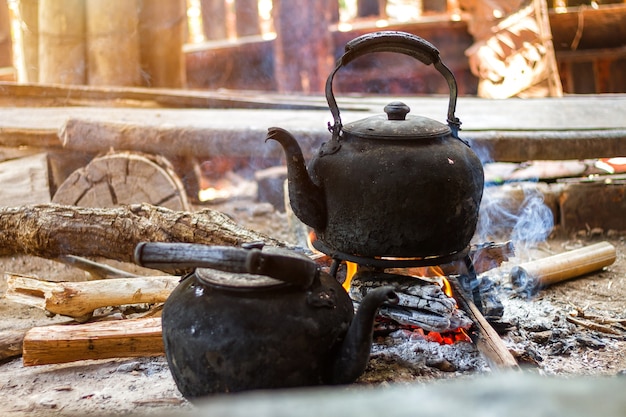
(516, 212)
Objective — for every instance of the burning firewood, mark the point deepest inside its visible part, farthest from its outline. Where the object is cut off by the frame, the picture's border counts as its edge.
(422, 304)
(532, 276)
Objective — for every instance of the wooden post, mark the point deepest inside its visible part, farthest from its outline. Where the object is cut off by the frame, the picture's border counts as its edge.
(214, 19)
(6, 46)
(247, 17)
(303, 54)
(162, 35)
(113, 42)
(28, 68)
(368, 8)
(62, 41)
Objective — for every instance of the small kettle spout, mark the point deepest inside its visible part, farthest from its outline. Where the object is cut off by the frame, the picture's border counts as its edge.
(354, 352)
(307, 199)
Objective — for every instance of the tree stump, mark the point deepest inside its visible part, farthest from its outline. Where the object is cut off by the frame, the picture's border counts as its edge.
(124, 178)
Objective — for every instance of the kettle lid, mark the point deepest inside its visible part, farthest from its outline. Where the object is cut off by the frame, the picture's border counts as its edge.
(236, 281)
(396, 124)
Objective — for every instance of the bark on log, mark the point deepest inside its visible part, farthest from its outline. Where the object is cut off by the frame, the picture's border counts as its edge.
(80, 299)
(51, 230)
(99, 340)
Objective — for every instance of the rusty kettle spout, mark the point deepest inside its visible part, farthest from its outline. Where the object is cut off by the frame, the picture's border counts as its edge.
(307, 199)
(353, 354)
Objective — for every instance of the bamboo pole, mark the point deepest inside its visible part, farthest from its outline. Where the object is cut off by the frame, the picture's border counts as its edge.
(113, 42)
(535, 275)
(62, 57)
(99, 340)
(247, 17)
(162, 35)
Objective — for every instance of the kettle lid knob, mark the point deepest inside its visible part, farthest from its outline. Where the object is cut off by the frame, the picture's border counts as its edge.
(396, 110)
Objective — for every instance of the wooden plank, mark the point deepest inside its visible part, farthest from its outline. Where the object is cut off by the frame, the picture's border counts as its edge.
(99, 340)
(501, 130)
(25, 181)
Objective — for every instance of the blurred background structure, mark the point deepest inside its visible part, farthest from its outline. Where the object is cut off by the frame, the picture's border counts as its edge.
(496, 48)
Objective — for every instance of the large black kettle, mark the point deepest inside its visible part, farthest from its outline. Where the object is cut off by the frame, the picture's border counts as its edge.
(390, 185)
(258, 318)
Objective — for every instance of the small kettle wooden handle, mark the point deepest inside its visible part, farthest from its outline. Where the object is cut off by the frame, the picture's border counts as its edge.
(271, 262)
(393, 41)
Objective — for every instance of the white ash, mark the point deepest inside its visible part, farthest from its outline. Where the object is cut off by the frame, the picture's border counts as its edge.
(413, 350)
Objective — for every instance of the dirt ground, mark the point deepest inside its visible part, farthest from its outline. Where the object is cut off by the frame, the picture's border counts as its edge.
(537, 330)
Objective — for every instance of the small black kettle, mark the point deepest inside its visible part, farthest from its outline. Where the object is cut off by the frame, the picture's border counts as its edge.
(258, 318)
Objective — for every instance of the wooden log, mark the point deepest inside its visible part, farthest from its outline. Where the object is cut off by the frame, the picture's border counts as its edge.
(487, 340)
(62, 48)
(161, 36)
(25, 181)
(124, 178)
(80, 299)
(6, 44)
(28, 68)
(247, 18)
(214, 19)
(535, 275)
(52, 230)
(303, 51)
(99, 340)
(11, 343)
(113, 39)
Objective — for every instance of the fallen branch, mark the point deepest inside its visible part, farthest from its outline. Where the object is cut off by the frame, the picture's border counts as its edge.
(51, 230)
(99, 340)
(80, 299)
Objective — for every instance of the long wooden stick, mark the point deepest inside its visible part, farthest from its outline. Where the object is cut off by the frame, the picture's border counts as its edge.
(487, 340)
(79, 299)
(99, 340)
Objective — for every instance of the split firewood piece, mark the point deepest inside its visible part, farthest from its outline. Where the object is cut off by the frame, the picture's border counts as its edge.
(535, 275)
(124, 178)
(11, 343)
(80, 299)
(51, 230)
(98, 340)
(487, 340)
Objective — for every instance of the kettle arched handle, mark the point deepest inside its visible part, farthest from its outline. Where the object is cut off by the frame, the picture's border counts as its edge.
(393, 41)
